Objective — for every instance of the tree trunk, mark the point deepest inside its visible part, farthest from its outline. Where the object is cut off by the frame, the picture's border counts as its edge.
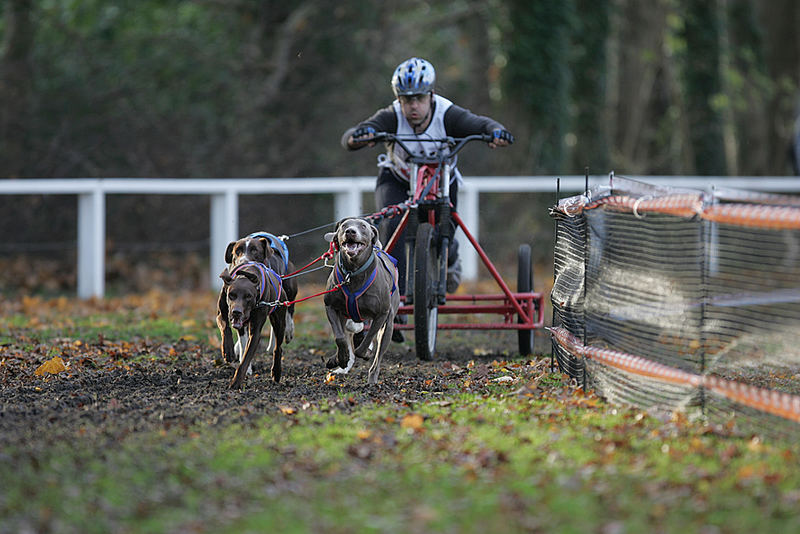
(703, 83)
(537, 78)
(781, 18)
(589, 87)
(635, 59)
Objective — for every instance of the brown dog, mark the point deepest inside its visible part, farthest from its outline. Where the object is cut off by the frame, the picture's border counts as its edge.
(368, 291)
(261, 248)
(253, 293)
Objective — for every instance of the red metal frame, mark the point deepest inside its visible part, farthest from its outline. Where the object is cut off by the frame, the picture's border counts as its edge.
(507, 303)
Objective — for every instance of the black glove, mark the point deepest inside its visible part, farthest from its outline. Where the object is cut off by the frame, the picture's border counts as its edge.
(363, 131)
(504, 135)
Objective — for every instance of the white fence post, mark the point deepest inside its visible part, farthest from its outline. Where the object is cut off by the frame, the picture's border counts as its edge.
(468, 210)
(348, 203)
(348, 191)
(224, 229)
(91, 243)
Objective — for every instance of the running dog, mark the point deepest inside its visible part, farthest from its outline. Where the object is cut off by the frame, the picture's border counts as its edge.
(366, 279)
(253, 293)
(267, 249)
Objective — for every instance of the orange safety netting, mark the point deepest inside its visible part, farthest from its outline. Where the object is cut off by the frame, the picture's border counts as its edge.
(769, 401)
(754, 216)
(690, 205)
(681, 205)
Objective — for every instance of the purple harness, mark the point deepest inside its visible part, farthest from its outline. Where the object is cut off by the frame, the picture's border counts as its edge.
(352, 296)
(264, 274)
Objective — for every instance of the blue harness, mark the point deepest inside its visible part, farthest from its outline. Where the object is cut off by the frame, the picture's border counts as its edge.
(277, 244)
(264, 274)
(342, 276)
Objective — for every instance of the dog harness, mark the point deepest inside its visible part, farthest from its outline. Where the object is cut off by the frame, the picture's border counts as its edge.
(343, 276)
(277, 244)
(264, 274)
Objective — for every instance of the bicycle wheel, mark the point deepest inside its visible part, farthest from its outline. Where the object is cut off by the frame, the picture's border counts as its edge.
(525, 285)
(426, 273)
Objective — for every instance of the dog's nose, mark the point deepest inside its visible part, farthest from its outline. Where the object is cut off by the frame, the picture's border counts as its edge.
(235, 314)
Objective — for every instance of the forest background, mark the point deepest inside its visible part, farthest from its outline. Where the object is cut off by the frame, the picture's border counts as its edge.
(248, 88)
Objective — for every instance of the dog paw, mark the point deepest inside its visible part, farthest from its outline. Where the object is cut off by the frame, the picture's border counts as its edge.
(332, 362)
(236, 383)
(354, 327)
(361, 353)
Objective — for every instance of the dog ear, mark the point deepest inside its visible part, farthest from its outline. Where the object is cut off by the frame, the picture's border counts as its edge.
(375, 240)
(229, 252)
(251, 276)
(267, 248)
(226, 276)
(332, 236)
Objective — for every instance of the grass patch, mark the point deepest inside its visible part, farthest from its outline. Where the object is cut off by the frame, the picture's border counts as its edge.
(465, 464)
(468, 453)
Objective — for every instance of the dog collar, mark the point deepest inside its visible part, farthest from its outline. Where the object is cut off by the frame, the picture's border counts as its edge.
(360, 269)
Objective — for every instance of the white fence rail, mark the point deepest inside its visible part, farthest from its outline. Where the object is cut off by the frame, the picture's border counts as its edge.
(347, 192)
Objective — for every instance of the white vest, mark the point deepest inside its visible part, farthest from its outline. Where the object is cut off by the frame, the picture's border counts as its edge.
(396, 158)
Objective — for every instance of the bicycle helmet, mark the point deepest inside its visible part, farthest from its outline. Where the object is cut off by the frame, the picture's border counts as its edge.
(413, 76)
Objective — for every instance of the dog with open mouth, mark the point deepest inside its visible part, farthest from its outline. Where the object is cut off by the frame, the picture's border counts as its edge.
(366, 279)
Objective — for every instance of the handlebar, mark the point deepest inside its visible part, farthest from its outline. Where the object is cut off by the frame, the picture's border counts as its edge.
(455, 144)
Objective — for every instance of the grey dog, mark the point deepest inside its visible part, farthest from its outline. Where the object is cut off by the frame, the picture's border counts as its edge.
(366, 277)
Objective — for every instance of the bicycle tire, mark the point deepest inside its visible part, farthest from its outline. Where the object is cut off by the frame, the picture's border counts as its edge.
(426, 272)
(524, 285)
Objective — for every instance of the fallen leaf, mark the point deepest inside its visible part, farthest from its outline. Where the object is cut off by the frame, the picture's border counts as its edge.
(755, 444)
(503, 379)
(364, 434)
(413, 421)
(287, 410)
(52, 366)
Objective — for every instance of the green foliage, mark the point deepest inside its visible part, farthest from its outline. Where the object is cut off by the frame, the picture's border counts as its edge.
(537, 76)
(588, 65)
(703, 84)
(265, 88)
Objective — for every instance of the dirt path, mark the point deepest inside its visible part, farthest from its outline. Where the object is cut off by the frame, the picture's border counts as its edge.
(152, 386)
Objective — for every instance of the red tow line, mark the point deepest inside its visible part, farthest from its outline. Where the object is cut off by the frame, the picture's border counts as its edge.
(328, 254)
(388, 212)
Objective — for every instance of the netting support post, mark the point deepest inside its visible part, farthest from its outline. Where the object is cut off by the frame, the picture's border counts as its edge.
(553, 320)
(585, 277)
(708, 231)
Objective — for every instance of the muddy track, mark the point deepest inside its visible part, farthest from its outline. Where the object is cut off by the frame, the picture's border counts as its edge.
(110, 402)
